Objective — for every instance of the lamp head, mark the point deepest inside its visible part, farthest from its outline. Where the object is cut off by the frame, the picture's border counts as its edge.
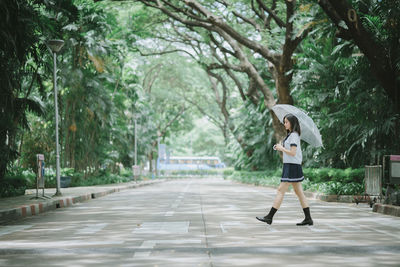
(55, 45)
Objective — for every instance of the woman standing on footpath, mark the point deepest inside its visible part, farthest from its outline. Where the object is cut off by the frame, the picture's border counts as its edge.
(292, 173)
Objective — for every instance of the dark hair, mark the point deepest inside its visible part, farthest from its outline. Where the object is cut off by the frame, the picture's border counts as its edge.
(294, 123)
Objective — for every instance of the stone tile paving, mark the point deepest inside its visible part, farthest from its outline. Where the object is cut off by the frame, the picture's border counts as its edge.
(201, 222)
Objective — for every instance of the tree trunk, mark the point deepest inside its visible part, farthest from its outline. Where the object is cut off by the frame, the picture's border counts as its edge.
(150, 158)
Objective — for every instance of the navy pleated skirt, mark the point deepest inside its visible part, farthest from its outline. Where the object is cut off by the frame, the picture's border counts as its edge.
(292, 173)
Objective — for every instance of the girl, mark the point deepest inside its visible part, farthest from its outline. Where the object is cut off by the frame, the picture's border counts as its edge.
(292, 173)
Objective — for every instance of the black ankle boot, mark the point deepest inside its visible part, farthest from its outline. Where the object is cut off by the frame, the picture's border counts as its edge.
(265, 219)
(268, 218)
(307, 220)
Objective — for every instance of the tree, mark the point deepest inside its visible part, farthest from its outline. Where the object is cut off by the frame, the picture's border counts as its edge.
(219, 18)
(374, 28)
(21, 52)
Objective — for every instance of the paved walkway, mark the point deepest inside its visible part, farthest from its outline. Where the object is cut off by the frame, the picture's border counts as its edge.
(15, 208)
(201, 222)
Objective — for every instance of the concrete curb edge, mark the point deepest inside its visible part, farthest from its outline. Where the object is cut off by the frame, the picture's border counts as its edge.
(386, 209)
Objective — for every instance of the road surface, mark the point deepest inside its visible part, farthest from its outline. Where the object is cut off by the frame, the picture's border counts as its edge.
(201, 222)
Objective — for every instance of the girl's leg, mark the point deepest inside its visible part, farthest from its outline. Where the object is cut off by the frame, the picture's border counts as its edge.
(277, 203)
(283, 187)
(298, 189)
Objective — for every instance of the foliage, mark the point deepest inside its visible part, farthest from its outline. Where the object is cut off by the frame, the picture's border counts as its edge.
(356, 120)
(203, 140)
(105, 84)
(20, 53)
(254, 127)
(334, 188)
(328, 181)
(10, 187)
(264, 178)
(317, 175)
(196, 173)
(106, 178)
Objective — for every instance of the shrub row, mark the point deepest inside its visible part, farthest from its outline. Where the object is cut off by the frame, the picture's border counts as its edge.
(209, 172)
(318, 175)
(12, 186)
(17, 181)
(324, 180)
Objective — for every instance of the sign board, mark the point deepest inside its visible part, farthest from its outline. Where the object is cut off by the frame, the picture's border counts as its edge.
(40, 170)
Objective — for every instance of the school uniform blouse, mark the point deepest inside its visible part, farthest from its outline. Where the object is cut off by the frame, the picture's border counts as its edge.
(293, 139)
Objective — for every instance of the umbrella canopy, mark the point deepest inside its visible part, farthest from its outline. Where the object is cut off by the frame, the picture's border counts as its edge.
(309, 131)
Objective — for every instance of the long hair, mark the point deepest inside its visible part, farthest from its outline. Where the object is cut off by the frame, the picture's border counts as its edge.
(294, 123)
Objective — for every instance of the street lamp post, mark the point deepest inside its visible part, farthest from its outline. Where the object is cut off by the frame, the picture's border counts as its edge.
(55, 46)
(136, 169)
(135, 141)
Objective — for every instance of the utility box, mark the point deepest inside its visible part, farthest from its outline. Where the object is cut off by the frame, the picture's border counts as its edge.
(40, 177)
(394, 172)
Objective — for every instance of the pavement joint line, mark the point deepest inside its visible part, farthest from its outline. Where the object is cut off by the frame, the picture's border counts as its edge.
(272, 229)
(271, 250)
(150, 244)
(379, 231)
(338, 228)
(317, 230)
(56, 244)
(13, 228)
(91, 228)
(209, 253)
(227, 224)
(169, 213)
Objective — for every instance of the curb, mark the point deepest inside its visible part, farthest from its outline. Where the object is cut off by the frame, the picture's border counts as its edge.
(333, 198)
(386, 209)
(35, 209)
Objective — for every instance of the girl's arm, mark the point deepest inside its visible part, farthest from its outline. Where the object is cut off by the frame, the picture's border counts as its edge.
(291, 152)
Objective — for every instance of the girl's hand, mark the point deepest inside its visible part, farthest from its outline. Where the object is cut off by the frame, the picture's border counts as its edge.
(278, 147)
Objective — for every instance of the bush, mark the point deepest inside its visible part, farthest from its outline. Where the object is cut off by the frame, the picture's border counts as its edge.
(126, 173)
(80, 180)
(323, 180)
(335, 175)
(209, 172)
(257, 178)
(334, 188)
(227, 172)
(12, 186)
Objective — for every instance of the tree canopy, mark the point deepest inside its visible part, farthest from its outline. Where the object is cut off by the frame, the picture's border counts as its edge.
(200, 76)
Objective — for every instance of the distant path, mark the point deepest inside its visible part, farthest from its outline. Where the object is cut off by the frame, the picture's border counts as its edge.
(201, 222)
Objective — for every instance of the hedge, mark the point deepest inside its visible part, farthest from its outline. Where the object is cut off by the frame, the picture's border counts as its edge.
(323, 180)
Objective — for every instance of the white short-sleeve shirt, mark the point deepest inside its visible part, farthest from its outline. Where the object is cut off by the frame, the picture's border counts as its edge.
(293, 139)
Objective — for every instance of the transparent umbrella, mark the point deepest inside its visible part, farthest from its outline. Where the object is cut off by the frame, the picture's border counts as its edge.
(309, 131)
